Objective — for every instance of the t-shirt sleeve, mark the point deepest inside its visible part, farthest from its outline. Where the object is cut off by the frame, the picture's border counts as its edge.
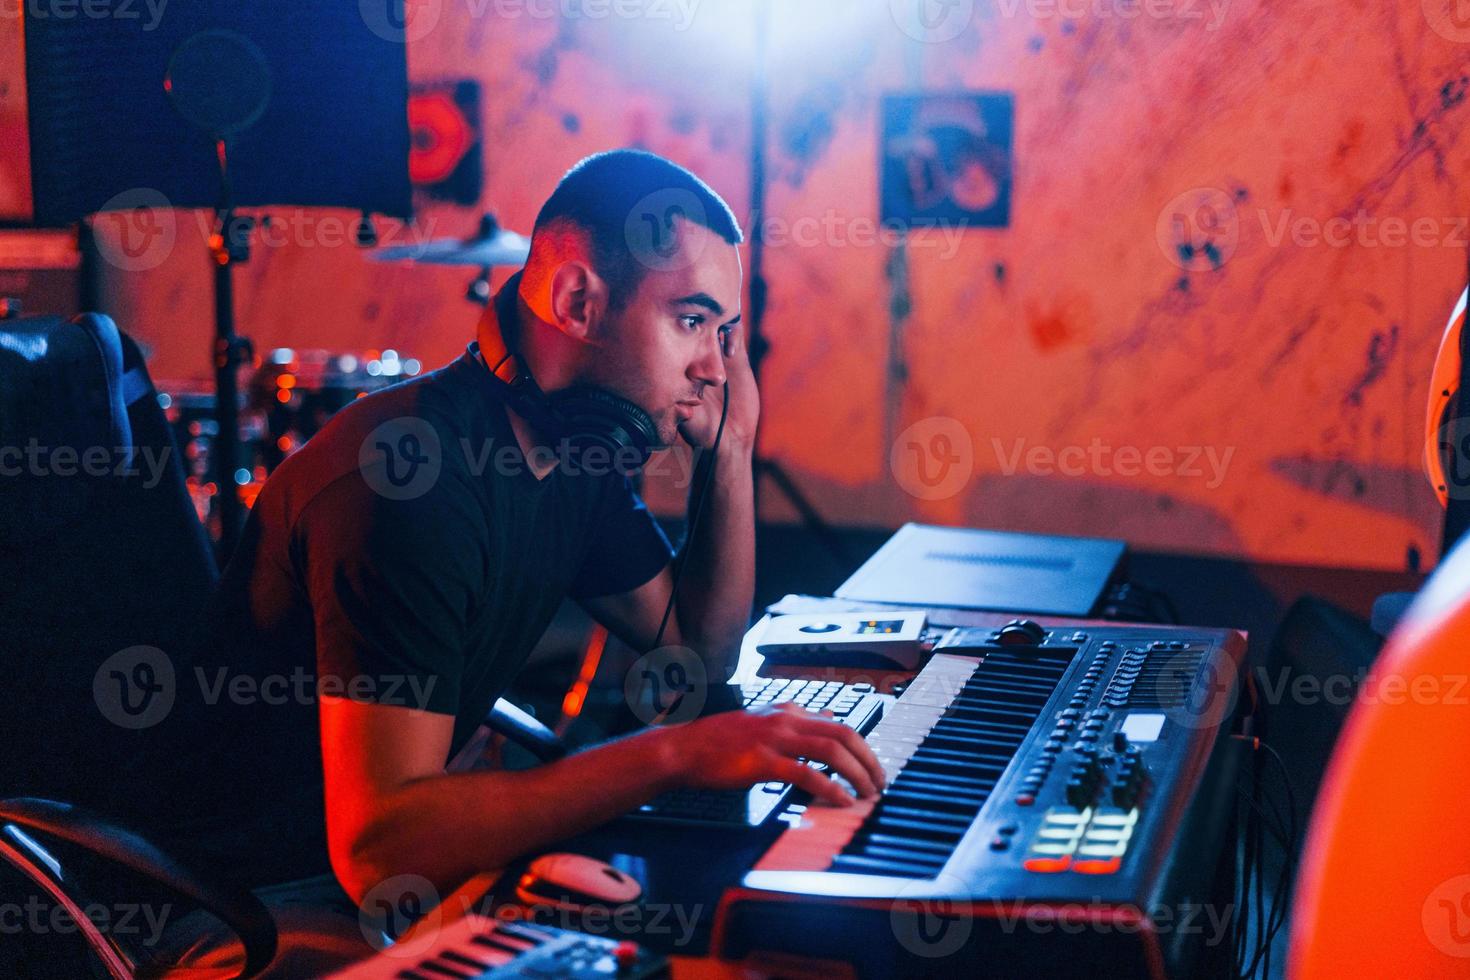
(392, 587)
(627, 548)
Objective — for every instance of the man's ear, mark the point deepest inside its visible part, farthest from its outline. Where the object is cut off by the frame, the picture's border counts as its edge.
(578, 300)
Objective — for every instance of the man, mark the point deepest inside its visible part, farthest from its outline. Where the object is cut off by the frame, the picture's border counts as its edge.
(398, 561)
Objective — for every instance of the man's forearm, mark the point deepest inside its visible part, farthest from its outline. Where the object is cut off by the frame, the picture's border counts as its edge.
(449, 827)
(717, 585)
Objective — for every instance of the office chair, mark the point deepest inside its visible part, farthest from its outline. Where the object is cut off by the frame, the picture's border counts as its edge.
(101, 550)
(1385, 880)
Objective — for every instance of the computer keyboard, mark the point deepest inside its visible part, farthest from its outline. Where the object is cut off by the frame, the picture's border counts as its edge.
(855, 705)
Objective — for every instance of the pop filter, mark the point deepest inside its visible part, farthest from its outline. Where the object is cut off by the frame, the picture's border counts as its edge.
(219, 81)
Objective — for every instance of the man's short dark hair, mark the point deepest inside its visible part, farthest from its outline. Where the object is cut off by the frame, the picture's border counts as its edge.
(606, 195)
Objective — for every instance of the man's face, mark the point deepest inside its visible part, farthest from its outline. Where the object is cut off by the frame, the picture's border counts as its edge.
(665, 347)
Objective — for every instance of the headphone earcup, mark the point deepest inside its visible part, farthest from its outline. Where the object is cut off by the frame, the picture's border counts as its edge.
(591, 416)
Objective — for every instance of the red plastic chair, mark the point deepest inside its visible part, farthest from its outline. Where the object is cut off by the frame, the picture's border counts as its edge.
(1384, 888)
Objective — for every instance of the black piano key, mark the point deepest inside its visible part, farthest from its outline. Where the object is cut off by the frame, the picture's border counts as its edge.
(973, 801)
(410, 975)
(879, 866)
(927, 751)
(919, 859)
(981, 729)
(930, 801)
(463, 960)
(907, 843)
(495, 942)
(920, 829)
(939, 819)
(955, 781)
(456, 973)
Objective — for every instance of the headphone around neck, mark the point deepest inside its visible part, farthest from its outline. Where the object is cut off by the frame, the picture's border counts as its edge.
(582, 416)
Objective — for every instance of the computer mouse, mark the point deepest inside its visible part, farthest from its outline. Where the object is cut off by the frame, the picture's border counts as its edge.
(573, 882)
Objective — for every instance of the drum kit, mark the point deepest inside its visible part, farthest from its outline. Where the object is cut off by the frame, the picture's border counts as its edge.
(291, 393)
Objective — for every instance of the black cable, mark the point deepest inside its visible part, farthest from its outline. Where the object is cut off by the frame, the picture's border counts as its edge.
(1272, 924)
(694, 515)
(1266, 817)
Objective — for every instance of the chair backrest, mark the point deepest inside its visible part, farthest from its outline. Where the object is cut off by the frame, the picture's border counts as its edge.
(101, 552)
(1384, 888)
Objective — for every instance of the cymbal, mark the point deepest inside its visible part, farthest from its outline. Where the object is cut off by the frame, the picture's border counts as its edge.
(492, 245)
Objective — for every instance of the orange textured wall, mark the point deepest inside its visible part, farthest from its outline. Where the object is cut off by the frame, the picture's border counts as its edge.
(1071, 373)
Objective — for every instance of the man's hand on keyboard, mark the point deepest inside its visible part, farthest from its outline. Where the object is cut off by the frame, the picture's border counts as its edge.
(741, 748)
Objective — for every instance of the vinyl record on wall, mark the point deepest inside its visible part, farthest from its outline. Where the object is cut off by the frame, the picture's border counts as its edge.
(947, 159)
(445, 158)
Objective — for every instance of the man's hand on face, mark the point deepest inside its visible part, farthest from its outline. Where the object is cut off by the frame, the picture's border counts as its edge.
(745, 405)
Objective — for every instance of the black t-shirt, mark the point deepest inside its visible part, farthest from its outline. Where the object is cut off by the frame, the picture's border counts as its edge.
(406, 555)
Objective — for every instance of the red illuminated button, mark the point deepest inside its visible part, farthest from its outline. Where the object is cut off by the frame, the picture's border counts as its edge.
(1096, 867)
(1025, 799)
(626, 954)
(1048, 865)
